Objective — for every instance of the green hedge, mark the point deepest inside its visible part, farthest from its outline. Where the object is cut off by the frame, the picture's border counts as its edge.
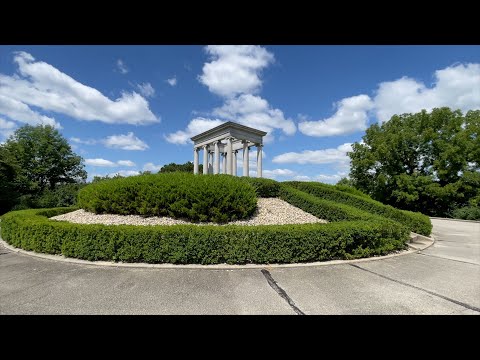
(349, 189)
(184, 244)
(264, 187)
(217, 198)
(416, 222)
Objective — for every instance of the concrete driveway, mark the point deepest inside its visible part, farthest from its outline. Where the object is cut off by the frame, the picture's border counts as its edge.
(443, 279)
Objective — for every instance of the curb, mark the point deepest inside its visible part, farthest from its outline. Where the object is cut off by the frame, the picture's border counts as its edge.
(449, 219)
(412, 249)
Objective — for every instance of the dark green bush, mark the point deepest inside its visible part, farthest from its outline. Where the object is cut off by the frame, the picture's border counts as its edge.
(183, 244)
(217, 198)
(264, 187)
(61, 195)
(416, 222)
(467, 213)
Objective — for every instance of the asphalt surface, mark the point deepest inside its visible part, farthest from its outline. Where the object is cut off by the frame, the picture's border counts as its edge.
(443, 279)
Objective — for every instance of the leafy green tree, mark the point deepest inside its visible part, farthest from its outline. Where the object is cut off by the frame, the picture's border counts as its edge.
(428, 162)
(35, 159)
(187, 167)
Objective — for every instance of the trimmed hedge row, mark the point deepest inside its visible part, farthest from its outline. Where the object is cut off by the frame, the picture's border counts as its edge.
(219, 198)
(265, 188)
(350, 190)
(416, 222)
(190, 244)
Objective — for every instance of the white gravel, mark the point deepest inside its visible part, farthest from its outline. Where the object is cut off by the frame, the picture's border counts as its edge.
(270, 211)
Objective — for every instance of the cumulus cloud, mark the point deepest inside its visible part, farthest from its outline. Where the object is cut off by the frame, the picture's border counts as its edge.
(125, 163)
(100, 162)
(124, 173)
(351, 116)
(272, 174)
(324, 156)
(146, 89)
(172, 81)
(456, 86)
(77, 140)
(151, 167)
(331, 179)
(233, 72)
(18, 111)
(122, 67)
(42, 85)
(234, 69)
(195, 127)
(125, 142)
(302, 178)
(251, 110)
(107, 163)
(7, 128)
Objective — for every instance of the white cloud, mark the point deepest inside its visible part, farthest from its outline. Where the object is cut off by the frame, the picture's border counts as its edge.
(107, 163)
(351, 116)
(324, 156)
(125, 163)
(195, 127)
(44, 86)
(100, 162)
(124, 173)
(7, 128)
(146, 89)
(233, 72)
(234, 69)
(80, 141)
(125, 142)
(249, 110)
(18, 111)
(457, 87)
(172, 81)
(152, 167)
(7, 125)
(273, 174)
(253, 111)
(122, 67)
(302, 178)
(331, 179)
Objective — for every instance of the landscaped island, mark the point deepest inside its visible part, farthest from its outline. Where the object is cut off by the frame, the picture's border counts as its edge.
(357, 225)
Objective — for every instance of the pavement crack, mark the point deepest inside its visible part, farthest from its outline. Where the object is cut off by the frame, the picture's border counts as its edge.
(467, 306)
(273, 284)
(445, 258)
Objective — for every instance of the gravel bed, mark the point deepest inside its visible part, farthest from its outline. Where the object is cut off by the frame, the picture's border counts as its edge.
(270, 211)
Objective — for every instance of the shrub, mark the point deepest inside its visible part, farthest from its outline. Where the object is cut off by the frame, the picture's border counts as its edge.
(350, 190)
(263, 187)
(416, 222)
(217, 198)
(183, 244)
(467, 213)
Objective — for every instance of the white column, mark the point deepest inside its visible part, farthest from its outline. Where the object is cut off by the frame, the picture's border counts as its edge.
(229, 156)
(245, 158)
(195, 161)
(205, 159)
(235, 162)
(259, 160)
(210, 162)
(224, 165)
(216, 167)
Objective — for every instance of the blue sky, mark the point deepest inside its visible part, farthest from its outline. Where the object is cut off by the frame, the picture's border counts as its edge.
(126, 109)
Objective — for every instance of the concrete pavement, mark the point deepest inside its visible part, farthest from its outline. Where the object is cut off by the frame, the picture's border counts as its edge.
(443, 279)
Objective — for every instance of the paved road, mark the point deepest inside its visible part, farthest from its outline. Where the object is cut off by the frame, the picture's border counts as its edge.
(444, 279)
